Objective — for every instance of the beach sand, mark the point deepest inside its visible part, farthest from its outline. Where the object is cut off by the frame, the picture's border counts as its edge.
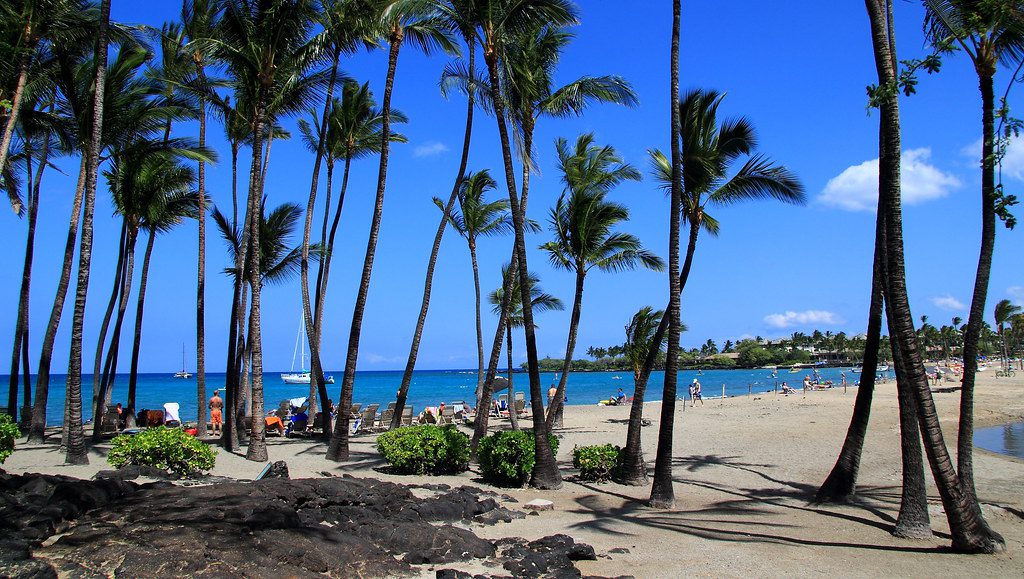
(745, 470)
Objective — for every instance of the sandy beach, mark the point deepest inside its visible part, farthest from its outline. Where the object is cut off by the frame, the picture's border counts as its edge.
(746, 468)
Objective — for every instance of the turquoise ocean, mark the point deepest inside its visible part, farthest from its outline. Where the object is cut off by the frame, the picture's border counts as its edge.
(431, 387)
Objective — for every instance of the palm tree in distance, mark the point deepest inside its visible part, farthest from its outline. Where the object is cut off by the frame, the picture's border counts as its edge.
(641, 333)
(419, 23)
(708, 150)
(1004, 312)
(541, 302)
(583, 223)
(477, 218)
(990, 34)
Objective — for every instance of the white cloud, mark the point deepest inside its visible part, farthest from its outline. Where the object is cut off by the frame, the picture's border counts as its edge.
(856, 188)
(805, 318)
(949, 303)
(372, 358)
(429, 149)
(1013, 161)
(1017, 293)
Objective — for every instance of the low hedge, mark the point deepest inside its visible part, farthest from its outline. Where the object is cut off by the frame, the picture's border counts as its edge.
(507, 457)
(597, 463)
(8, 433)
(425, 449)
(169, 449)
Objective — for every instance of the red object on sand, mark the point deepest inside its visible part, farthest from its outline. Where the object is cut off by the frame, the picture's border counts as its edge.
(191, 431)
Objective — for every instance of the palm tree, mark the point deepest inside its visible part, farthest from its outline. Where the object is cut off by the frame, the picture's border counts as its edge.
(346, 26)
(77, 453)
(990, 34)
(529, 62)
(268, 53)
(583, 222)
(459, 16)
(478, 218)
(497, 22)
(353, 132)
(541, 302)
(199, 20)
(708, 150)
(640, 339)
(967, 525)
(662, 494)
(1004, 312)
(415, 21)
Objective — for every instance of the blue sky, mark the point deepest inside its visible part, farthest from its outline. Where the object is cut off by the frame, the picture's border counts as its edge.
(797, 70)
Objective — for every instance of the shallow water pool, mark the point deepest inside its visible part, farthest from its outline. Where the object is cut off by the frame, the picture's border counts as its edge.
(1006, 439)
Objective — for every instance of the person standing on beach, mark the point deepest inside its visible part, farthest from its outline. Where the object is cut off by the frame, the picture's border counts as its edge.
(216, 411)
(695, 393)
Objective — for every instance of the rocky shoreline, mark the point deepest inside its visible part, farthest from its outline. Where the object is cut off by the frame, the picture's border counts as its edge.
(338, 527)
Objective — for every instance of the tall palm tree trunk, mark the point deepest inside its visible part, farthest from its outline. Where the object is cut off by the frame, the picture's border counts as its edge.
(545, 470)
(20, 348)
(912, 522)
(316, 375)
(662, 494)
(965, 436)
(513, 411)
(200, 271)
(841, 483)
(314, 385)
(115, 291)
(100, 398)
(37, 432)
(483, 403)
(554, 417)
(77, 453)
(966, 524)
(338, 449)
(19, 91)
(133, 373)
(323, 276)
(257, 442)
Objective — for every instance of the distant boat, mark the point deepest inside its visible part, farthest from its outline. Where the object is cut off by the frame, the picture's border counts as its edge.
(302, 376)
(183, 374)
(794, 370)
(856, 370)
(616, 377)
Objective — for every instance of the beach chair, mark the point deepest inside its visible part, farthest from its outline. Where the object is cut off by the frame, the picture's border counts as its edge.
(109, 421)
(385, 420)
(520, 406)
(368, 418)
(354, 412)
(407, 416)
(503, 407)
(447, 415)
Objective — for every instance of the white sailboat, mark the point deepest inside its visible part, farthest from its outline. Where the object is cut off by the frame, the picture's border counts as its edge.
(183, 374)
(302, 376)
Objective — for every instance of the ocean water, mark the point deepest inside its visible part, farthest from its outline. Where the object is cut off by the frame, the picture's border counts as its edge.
(430, 387)
(1006, 439)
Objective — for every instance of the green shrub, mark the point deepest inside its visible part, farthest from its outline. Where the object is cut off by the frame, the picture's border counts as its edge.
(425, 449)
(169, 449)
(8, 432)
(596, 463)
(507, 457)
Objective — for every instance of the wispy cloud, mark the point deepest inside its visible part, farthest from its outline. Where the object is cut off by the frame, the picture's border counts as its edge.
(1013, 161)
(1017, 293)
(948, 303)
(856, 188)
(371, 358)
(429, 149)
(791, 319)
